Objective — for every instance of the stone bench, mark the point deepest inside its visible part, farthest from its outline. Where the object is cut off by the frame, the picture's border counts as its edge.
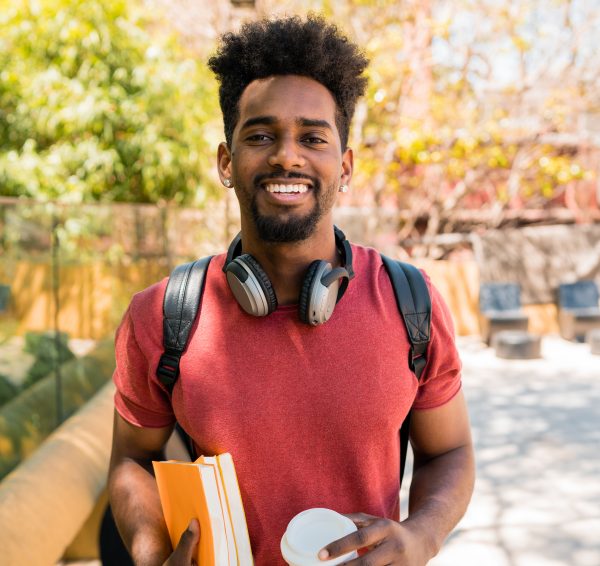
(500, 309)
(517, 345)
(578, 310)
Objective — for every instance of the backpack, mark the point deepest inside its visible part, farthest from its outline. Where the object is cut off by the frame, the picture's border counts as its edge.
(183, 297)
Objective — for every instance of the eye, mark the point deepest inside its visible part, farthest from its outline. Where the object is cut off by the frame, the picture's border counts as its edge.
(258, 138)
(314, 140)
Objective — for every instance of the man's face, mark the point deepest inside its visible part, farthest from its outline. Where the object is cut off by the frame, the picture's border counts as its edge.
(285, 160)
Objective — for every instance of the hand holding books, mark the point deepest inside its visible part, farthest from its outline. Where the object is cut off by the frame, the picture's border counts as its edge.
(207, 490)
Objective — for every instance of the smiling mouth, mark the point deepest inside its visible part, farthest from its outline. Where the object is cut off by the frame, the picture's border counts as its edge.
(296, 188)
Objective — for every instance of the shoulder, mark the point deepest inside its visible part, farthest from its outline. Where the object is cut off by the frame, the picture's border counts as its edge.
(372, 274)
(146, 306)
(362, 254)
(142, 324)
(366, 261)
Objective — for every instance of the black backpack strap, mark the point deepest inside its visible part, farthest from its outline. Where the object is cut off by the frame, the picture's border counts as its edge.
(180, 307)
(414, 303)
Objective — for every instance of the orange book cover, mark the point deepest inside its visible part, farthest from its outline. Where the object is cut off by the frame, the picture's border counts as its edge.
(189, 490)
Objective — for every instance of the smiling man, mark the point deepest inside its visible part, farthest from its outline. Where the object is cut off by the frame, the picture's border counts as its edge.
(286, 200)
(298, 362)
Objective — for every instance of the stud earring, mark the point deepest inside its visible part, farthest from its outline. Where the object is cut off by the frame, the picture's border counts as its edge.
(343, 188)
(227, 183)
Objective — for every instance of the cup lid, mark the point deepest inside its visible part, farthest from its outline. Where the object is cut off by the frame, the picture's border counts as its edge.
(309, 531)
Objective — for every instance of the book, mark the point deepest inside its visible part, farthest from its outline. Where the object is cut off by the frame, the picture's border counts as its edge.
(207, 490)
(225, 514)
(235, 507)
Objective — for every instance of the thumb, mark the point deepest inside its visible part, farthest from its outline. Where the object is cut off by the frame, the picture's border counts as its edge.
(186, 549)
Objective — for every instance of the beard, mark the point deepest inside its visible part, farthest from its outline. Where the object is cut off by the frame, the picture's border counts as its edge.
(286, 230)
(292, 228)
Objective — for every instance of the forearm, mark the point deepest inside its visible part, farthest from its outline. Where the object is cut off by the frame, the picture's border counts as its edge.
(440, 492)
(136, 507)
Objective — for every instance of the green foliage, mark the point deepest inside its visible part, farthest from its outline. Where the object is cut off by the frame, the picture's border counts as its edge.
(8, 389)
(46, 350)
(29, 418)
(94, 107)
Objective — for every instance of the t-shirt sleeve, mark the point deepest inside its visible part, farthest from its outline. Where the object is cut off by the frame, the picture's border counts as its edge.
(441, 379)
(140, 398)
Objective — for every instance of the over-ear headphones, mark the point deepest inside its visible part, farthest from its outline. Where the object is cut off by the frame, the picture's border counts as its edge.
(322, 287)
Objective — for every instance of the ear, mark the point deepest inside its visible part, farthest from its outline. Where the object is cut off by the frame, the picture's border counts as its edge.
(347, 166)
(224, 161)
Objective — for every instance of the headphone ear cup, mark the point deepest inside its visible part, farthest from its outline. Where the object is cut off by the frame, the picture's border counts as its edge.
(307, 289)
(251, 286)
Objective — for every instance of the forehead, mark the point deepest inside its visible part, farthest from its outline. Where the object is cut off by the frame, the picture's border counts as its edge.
(287, 97)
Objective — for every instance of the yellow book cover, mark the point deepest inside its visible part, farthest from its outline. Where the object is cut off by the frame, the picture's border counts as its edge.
(189, 490)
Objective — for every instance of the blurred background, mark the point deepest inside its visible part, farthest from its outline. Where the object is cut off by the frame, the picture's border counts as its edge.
(477, 157)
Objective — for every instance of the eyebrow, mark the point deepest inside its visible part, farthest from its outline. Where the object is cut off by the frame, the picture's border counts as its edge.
(259, 120)
(270, 120)
(306, 122)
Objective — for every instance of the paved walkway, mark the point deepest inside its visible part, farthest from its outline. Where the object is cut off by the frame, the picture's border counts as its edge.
(536, 427)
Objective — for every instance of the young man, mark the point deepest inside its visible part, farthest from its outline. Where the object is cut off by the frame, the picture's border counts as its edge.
(311, 414)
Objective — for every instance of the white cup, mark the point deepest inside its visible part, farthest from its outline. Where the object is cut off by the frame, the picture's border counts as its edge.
(309, 531)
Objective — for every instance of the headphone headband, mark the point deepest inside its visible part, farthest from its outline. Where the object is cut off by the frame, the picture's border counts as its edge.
(234, 250)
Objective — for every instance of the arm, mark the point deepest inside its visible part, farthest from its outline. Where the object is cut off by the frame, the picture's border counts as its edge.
(444, 470)
(440, 491)
(134, 496)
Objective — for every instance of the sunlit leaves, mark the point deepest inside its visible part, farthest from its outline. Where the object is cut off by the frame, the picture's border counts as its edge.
(94, 107)
(463, 115)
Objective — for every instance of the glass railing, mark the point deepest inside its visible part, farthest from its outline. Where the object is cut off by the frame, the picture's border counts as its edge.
(67, 274)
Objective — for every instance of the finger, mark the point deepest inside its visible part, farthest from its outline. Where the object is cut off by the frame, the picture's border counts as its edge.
(378, 555)
(361, 519)
(186, 549)
(367, 536)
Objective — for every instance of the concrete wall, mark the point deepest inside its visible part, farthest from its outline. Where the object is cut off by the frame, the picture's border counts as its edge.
(47, 499)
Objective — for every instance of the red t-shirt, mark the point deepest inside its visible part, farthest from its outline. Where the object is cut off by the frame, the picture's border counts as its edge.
(310, 414)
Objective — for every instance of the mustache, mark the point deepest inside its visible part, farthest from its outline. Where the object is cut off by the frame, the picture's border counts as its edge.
(261, 178)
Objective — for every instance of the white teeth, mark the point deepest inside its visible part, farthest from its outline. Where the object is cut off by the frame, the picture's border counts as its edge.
(286, 188)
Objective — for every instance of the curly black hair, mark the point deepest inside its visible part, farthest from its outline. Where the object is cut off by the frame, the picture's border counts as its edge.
(289, 46)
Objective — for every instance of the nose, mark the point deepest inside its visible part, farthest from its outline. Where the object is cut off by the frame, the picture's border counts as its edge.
(286, 155)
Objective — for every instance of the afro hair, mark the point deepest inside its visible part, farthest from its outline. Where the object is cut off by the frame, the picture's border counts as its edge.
(290, 46)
